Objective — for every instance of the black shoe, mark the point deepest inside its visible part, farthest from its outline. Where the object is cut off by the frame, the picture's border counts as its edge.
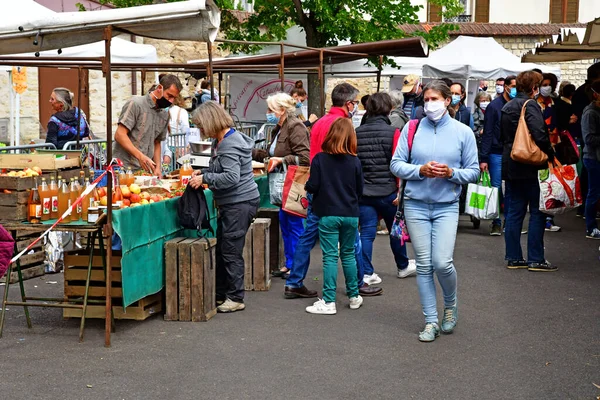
(367, 290)
(521, 264)
(542, 267)
(302, 292)
(279, 273)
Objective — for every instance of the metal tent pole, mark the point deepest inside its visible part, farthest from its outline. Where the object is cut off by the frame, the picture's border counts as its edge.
(108, 75)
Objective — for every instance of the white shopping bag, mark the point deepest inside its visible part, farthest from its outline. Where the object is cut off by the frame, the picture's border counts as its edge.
(482, 199)
(560, 190)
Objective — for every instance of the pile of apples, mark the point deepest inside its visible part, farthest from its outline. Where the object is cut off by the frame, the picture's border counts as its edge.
(26, 173)
(133, 196)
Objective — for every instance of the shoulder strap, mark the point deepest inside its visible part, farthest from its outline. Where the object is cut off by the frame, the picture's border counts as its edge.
(413, 125)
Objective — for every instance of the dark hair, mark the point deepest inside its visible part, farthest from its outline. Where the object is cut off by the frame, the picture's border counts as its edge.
(298, 92)
(299, 85)
(595, 86)
(528, 80)
(379, 104)
(510, 78)
(343, 93)
(568, 90)
(341, 138)
(593, 72)
(462, 91)
(500, 79)
(447, 81)
(168, 80)
(364, 100)
(552, 78)
(539, 71)
(204, 84)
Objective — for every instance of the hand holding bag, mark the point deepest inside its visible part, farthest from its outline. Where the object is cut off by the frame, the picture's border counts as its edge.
(524, 149)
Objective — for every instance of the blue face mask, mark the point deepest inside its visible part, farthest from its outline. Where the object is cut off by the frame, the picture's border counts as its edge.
(299, 104)
(513, 93)
(455, 99)
(272, 118)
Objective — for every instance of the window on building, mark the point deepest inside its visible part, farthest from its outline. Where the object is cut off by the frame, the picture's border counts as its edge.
(557, 14)
(434, 12)
(482, 11)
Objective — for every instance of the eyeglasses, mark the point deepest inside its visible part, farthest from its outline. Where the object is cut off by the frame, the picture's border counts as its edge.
(355, 102)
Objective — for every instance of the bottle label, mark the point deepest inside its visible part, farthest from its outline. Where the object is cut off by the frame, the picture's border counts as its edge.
(54, 204)
(46, 205)
(185, 179)
(35, 211)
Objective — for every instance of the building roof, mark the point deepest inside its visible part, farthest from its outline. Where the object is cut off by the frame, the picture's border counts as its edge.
(494, 29)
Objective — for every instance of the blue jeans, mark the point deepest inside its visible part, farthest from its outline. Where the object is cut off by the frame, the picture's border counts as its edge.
(432, 229)
(495, 168)
(593, 194)
(308, 240)
(292, 227)
(370, 210)
(524, 193)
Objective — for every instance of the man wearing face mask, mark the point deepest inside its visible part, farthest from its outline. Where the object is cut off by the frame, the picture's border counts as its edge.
(499, 87)
(483, 87)
(490, 155)
(143, 126)
(413, 97)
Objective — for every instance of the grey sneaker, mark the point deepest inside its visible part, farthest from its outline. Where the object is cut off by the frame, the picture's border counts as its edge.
(542, 267)
(496, 230)
(230, 306)
(431, 331)
(450, 319)
(594, 234)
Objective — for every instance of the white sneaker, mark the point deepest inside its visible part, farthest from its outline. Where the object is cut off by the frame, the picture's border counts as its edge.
(408, 271)
(356, 302)
(372, 279)
(320, 307)
(230, 306)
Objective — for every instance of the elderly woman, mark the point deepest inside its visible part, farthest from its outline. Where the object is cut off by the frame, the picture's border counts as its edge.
(443, 156)
(482, 100)
(67, 122)
(229, 176)
(398, 117)
(522, 179)
(291, 144)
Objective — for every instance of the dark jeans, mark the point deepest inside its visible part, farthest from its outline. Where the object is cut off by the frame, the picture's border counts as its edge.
(524, 193)
(371, 208)
(232, 224)
(593, 194)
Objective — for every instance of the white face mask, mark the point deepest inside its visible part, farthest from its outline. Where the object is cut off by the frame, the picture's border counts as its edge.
(483, 105)
(435, 110)
(499, 89)
(545, 91)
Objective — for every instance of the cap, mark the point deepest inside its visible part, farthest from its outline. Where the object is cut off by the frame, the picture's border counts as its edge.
(409, 82)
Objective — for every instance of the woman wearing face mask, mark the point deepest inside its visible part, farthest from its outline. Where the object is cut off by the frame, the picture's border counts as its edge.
(299, 95)
(522, 179)
(482, 100)
(461, 112)
(443, 157)
(291, 144)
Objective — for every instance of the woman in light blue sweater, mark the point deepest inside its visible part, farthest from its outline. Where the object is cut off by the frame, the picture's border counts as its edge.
(443, 157)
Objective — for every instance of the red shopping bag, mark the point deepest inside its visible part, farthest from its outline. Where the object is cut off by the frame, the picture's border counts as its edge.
(294, 199)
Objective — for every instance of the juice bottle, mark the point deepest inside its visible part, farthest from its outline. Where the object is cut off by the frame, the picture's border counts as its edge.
(53, 186)
(130, 178)
(76, 213)
(85, 202)
(64, 200)
(45, 198)
(117, 195)
(123, 177)
(34, 205)
(185, 173)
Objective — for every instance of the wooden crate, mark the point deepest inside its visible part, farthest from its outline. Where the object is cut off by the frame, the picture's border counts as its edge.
(276, 252)
(13, 205)
(43, 161)
(32, 265)
(190, 279)
(257, 274)
(75, 274)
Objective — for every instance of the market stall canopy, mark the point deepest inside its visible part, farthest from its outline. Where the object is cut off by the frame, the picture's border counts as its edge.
(480, 58)
(28, 28)
(571, 45)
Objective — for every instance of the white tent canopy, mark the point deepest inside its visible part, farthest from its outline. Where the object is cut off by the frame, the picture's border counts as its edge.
(28, 28)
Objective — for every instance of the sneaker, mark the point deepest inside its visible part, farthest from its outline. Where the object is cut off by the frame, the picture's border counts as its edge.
(320, 307)
(230, 306)
(373, 279)
(496, 230)
(520, 264)
(594, 234)
(550, 227)
(431, 331)
(542, 267)
(450, 319)
(356, 302)
(410, 270)
(383, 232)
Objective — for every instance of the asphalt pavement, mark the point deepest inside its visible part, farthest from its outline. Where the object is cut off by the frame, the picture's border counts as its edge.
(520, 335)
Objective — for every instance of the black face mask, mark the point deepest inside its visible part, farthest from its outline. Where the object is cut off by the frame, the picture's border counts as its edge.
(485, 88)
(163, 103)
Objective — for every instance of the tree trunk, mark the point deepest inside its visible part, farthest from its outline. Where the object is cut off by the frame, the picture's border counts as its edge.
(314, 39)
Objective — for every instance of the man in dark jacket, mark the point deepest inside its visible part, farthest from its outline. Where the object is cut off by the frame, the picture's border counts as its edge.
(413, 96)
(522, 179)
(490, 156)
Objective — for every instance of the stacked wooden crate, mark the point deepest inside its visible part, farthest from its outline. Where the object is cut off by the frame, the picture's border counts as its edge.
(257, 272)
(32, 263)
(14, 197)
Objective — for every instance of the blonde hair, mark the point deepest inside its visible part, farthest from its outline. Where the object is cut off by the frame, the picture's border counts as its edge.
(282, 101)
(211, 118)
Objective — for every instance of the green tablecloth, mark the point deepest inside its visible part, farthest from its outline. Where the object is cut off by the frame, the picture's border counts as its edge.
(143, 232)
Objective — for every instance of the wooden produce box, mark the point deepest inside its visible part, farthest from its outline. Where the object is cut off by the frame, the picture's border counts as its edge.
(43, 161)
(14, 197)
(257, 274)
(276, 251)
(76, 264)
(190, 279)
(32, 264)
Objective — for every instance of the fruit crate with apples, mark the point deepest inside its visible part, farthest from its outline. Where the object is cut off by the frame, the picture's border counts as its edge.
(32, 263)
(257, 270)
(76, 264)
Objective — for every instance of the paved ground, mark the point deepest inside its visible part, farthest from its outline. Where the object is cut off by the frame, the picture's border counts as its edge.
(521, 335)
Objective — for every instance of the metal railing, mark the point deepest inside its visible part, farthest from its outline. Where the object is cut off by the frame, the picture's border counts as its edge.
(178, 145)
(27, 148)
(72, 145)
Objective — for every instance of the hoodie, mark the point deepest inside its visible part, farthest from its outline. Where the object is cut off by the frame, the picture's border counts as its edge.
(62, 127)
(229, 173)
(448, 142)
(398, 118)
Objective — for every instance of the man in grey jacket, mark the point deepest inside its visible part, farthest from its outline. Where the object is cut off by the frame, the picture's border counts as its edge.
(398, 117)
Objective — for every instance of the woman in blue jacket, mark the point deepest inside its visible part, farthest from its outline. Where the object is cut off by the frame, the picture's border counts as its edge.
(443, 157)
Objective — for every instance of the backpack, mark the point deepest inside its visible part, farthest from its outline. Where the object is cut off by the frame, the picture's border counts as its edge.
(192, 210)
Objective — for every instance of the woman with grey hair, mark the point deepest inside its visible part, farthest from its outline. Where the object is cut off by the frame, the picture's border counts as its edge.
(482, 100)
(67, 122)
(398, 117)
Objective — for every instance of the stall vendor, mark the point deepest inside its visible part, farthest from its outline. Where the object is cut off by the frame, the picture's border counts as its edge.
(143, 126)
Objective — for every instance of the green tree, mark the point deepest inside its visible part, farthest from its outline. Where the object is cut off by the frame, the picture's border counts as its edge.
(325, 22)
